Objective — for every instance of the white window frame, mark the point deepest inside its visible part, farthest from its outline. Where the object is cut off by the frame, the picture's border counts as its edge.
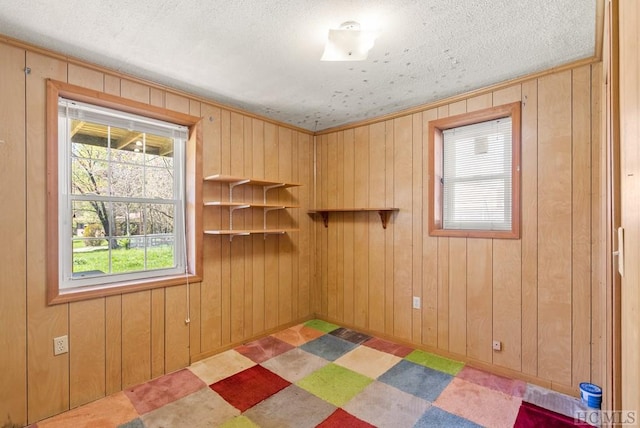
(69, 110)
(437, 128)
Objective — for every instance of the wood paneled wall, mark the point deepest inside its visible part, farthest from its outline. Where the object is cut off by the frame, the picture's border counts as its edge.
(534, 294)
(250, 285)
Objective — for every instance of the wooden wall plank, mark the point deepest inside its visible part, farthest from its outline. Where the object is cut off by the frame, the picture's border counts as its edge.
(113, 344)
(507, 302)
(285, 247)
(429, 249)
(13, 229)
(529, 229)
(348, 200)
(211, 297)
(48, 375)
(87, 332)
(258, 271)
(157, 332)
(554, 227)
(135, 91)
(85, 77)
(581, 224)
(402, 227)
(271, 271)
(332, 232)
(416, 219)
(338, 227)
(176, 328)
(389, 233)
(480, 299)
(136, 338)
(361, 229)
(377, 250)
(458, 295)
(251, 217)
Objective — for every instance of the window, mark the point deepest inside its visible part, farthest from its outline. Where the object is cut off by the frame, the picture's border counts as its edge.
(123, 181)
(475, 171)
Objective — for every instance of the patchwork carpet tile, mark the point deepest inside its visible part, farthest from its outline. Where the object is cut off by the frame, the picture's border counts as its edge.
(532, 416)
(435, 362)
(298, 335)
(277, 411)
(295, 364)
(164, 390)
(328, 347)
(417, 380)
(342, 419)
(201, 409)
(385, 406)
(479, 404)
(249, 387)
(110, 411)
(334, 384)
(323, 326)
(436, 417)
(220, 366)
(350, 335)
(368, 361)
(388, 347)
(239, 422)
(512, 387)
(263, 349)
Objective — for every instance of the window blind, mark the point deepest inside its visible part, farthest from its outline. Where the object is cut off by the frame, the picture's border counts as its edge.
(477, 180)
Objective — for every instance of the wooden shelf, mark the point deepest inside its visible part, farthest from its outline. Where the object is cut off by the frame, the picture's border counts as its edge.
(248, 205)
(246, 232)
(266, 185)
(236, 181)
(383, 212)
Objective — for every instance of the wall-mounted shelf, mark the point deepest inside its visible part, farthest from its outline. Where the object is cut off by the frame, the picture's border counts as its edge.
(266, 185)
(241, 232)
(383, 212)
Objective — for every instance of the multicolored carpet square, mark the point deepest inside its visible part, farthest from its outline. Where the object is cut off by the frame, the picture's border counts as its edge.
(319, 374)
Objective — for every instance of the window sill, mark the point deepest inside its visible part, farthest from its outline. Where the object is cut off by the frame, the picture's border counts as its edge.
(486, 234)
(85, 293)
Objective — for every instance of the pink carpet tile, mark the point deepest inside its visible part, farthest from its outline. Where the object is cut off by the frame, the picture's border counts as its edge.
(317, 374)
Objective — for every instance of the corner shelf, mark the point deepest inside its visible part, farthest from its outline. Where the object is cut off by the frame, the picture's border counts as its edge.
(383, 212)
(266, 185)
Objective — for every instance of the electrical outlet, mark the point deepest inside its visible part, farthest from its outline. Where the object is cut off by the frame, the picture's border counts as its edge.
(416, 302)
(497, 345)
(60, 345)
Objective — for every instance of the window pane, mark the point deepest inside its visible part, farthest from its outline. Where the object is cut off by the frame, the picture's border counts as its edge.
(159, 219)
(88, 140)
(160, 252)
(127, 259)
(159, 183)
(89, 260)
(129, 221)
(126, 146)
(89, 176)
(127, 180)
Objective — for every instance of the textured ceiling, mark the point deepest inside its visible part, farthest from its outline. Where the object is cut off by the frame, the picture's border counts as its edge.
(264, 55)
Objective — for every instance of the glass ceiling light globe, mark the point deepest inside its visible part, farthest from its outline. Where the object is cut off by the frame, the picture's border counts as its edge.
(349, 43)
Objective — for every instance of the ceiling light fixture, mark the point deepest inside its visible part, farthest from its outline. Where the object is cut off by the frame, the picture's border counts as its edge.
(349, 43)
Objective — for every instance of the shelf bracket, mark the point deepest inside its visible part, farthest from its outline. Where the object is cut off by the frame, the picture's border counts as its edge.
(384, 217)
(237, 234)
(233, 185)
(325, 218)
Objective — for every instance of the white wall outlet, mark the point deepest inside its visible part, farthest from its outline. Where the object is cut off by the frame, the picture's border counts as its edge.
(416, 302)
(497, 345)
(60, 345)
